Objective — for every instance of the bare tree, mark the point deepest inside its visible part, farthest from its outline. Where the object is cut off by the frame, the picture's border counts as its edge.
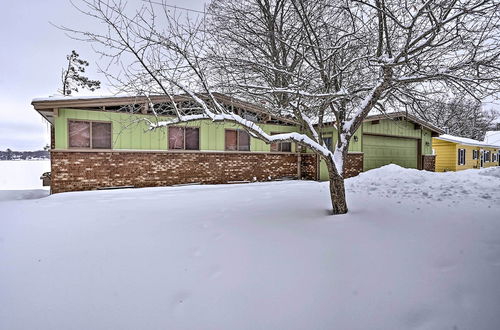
(459, 116)
(314, 61)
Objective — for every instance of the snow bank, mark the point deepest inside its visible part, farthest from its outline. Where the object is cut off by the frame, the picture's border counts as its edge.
(22, 174)
(393, 181)
(257, 256)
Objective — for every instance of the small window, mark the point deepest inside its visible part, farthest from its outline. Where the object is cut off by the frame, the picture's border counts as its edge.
(89, 134)
(474, 154)
(183, 138)
(328, 142)
(461, 156)
(281, 146)
(487, 158)
(237, 140)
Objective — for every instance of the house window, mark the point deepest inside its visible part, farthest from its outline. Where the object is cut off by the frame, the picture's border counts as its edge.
(183, 138)
(281, 146)
(328, 142)
(237, 140)
(89, 134)
(461, 156)
(487, 156)
(475, 154)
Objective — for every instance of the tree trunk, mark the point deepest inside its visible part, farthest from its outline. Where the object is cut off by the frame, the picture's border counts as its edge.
(337, 190)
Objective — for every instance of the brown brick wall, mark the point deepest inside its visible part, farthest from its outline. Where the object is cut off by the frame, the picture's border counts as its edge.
(353, 164)
(429, 162)
(73, 171)
(309, 166)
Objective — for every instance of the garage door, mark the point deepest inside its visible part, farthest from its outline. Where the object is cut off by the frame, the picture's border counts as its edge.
(383, 150)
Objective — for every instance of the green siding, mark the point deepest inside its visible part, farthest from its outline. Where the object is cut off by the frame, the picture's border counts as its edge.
(130, 132)
(426, 142)
(392, 127)
(382, 150)
(354, 146)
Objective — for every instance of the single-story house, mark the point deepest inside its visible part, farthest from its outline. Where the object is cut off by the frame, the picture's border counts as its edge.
(454, 153)
(103, 142)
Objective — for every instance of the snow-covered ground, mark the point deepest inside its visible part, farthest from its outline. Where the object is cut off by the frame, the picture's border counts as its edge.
(20, 179)
(417, 250)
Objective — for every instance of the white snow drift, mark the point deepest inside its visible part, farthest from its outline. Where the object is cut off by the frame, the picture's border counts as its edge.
(417, 250)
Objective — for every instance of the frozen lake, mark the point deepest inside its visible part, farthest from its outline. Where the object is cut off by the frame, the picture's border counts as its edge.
(22, 174)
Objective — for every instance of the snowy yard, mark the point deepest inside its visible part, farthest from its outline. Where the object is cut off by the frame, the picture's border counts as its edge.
(417, 250)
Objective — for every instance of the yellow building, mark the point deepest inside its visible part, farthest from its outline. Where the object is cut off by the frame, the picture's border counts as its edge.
(454, 153)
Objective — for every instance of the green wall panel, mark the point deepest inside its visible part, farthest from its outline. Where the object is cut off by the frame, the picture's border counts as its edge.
(354, 146)
(382, 150)
(131, 131)
(392, 127)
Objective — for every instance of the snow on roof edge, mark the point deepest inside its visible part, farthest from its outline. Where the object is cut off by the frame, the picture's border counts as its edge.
(465, 141)
(86, 97)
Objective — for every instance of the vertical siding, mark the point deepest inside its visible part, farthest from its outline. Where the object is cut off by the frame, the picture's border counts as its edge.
(131, 133)
(392, 127)
(354, 146)
(426, 142)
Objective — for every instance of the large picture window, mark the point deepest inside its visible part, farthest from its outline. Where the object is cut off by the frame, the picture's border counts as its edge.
(237, 140)
(183, 138)
(281, 146)
(89, 134)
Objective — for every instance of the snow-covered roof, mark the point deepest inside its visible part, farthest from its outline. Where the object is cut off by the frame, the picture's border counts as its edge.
(465, 141)
(58, 97)
(492, 137)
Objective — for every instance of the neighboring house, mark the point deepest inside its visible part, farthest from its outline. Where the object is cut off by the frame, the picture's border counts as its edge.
(103, 142)
(454, 153)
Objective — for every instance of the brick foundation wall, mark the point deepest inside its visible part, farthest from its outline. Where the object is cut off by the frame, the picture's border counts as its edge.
(353, 164)
(429, 163)
(74, 171)
(309, 166)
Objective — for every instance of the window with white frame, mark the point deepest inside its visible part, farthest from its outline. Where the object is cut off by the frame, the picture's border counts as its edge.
(487, 156)
(461, 156)
(475, 154)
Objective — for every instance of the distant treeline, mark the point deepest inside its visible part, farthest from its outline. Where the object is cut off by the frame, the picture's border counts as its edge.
(24, 155)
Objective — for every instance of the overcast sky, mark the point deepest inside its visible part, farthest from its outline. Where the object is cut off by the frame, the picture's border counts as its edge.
(33, 53)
